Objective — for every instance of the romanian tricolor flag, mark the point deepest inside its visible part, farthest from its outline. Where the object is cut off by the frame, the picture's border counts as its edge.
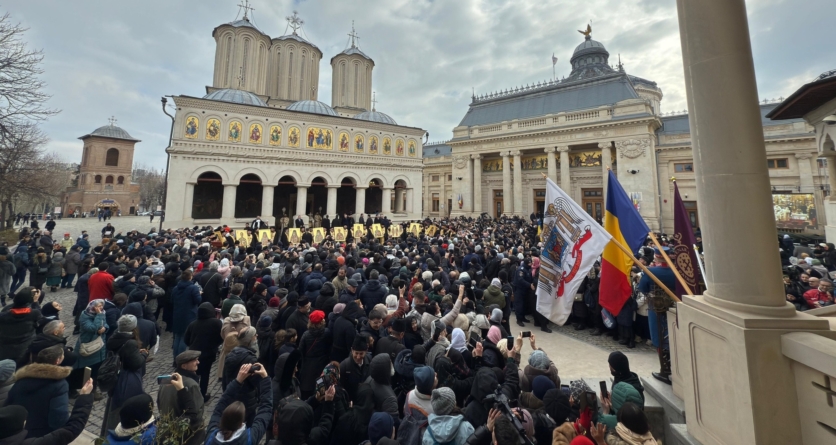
(627, 227)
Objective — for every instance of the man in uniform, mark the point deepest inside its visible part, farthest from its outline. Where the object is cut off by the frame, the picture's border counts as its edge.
(657, 315)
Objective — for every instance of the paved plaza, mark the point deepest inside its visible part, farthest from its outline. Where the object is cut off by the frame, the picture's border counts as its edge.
(577, 354)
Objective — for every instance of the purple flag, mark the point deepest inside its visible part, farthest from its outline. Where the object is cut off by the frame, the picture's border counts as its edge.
(682, 247)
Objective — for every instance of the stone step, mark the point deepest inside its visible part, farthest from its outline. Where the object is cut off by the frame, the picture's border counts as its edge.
(674, 406)
(656, 417)
(680, 436)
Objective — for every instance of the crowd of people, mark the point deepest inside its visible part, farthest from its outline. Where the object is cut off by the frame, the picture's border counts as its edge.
(809, 272)
(397, 340)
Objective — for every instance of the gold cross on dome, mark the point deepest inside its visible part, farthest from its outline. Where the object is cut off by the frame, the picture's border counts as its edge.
(295, 22)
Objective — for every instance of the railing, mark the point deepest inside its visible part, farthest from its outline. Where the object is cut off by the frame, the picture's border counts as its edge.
(814, 367)
(531, 123)
(583, 116)
(490, 129)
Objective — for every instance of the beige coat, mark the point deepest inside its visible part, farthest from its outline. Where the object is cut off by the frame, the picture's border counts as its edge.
(230, 330)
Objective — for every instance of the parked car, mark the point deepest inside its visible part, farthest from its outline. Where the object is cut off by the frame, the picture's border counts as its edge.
(146, 213)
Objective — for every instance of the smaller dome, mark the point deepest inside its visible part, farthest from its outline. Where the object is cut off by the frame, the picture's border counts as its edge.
(112, 131)
(235, 96)
(376, 116)
(295, 37)
(312, 106)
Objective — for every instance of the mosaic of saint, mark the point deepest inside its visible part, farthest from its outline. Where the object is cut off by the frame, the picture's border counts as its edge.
(535, 163)
(412, 150)
(191, 127)
(321, 138)
(387, 146)
(275, 135)
(344, 141)
(585, 159)
(255, 133)
(293, 137)
(373, 145)
(235, 131)
(213, 130)
(492, 165)
(399, 147)
(359, 146)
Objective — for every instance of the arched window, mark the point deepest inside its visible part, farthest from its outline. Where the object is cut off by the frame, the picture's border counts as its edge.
(120, 180)
(289, 74)
(112, 157)
(243, 79)
(207, 201)
(109, 179)
(228, 66)
(345, 82)
(356, 81)
(98, 179)
(304, 63)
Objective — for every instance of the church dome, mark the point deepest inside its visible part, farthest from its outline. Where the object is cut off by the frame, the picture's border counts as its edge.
(352, 51)
(590, 59)
(113, 132)
(376, 116)
(590, 47)
(312, 106)
(236, 97)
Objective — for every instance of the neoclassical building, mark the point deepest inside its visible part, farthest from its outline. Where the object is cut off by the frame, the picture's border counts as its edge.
(600, 116)
(260, 143)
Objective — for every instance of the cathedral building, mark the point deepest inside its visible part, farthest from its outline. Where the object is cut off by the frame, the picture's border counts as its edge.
(601, 117)
(260, 143)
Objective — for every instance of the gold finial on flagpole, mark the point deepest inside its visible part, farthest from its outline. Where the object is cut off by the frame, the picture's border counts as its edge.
(673, 178)
(608, 168)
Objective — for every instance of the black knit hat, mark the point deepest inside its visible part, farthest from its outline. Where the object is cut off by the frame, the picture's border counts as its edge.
(399, 325)
(361, 343)
(136, 411)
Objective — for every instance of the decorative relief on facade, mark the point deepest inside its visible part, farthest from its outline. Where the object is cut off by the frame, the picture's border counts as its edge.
(192, 125)
(294, 137)
(359, 144)
(275, 135)
(585, 159)
(413, 151)
(492, 165)
(320, 138)
(460, 162)
(632, 148)
(373, 142)
(344, 142)
(255, 134)
(387, 146)
(235, 131)
(399, 147)
(535, 162)
(213, 129)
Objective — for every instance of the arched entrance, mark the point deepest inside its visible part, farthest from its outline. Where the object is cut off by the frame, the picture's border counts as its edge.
(374, 197)
(317, 197)
(346, 197)
(248, 196)
(399, 198)
(108, 204)
(208, 198)
(284, 197)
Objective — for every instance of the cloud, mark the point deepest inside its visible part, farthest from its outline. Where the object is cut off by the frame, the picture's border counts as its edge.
(117, 58)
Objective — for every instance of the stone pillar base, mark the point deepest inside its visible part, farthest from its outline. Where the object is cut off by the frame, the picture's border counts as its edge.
(830, 212)
(738, 386)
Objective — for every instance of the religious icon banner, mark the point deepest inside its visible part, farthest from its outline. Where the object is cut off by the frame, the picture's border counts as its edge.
(318, 235)
(395, 231)
(294, 236)
(339, 234)
(358, 231)
(243, 238)
(377, 230)
(265, 237)
(415, 228)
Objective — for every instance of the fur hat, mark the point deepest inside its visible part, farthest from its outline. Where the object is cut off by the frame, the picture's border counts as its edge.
(361, 343)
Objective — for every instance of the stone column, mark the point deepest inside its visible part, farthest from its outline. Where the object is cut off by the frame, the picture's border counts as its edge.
(477, 183)
(831, 176)
(331, 206)
(518, 203)
(733, 332)
(360, 201)
(565, 177)
(409, 202)
(188, 202)
(386, 204)
(228, 211)
(805, 172)
(551, 163)
(399, 207)
(467, 195)
(606, 161)
(301, 201)
(506, 183)
(267, 203)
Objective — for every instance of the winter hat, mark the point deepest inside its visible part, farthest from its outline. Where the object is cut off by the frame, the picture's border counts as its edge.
(539, 360)
(496, 282)
(424, 379)
(381, 425)
(577, 388)
(23, 298)
(127, 323)
(540, 385)
(274, 302)
(391, 304)
(339, 308)
(12, 419)
(581, 440)
(496, 315)
(620, 364)
(265, 321)
(245, 337)
(494, 335)
(437, 327)
(357, 277)
(136, 411)
(316, 317)
(419, 354)
(399, 325)
(557, 405)
(361, 343)
(443, 401)
(352, 283)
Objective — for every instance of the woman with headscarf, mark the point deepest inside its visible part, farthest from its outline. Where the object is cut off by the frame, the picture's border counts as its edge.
(492, 356)
(458, 342)
(552, 423)
(236, 322)
(412, 335)
(453, 373)
(224, 268)
(93, 326)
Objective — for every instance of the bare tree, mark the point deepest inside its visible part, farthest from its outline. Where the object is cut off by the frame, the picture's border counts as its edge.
(22, 96)
(151, 186)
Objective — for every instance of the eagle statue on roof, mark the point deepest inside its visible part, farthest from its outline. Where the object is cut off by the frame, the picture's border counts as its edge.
(587, 32)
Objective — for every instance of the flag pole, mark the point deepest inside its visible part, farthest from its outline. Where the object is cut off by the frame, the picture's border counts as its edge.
(646, 270)
(670, 264)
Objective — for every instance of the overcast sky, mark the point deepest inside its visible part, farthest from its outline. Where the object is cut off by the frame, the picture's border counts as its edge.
(105, 57)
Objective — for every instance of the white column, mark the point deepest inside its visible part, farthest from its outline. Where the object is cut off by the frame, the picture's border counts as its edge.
(399, 207)
(386, 205)
(518, 202)
(606, 160)
(477, 184)
(331, 207)
(267, 193)
(506, 184)
(229, 201)
(805, 172)
(565, 176)
(409, 206)
(301, 201)
(188, 201)
(360, 201)
(551, 162)
(831, 175)
(467, 194)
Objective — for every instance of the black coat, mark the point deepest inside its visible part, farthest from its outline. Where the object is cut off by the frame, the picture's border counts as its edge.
(212, 288)
(315, 347)
(17, 330)
(371, 294)
(345, 329)
(298, 321)
(147, 329)
(248, 394)
(129, 382)
(204, 334)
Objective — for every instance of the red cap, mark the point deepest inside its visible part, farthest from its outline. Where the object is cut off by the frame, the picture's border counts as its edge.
(317, 317)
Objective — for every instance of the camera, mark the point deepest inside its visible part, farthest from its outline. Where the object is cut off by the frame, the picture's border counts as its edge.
(503, 404)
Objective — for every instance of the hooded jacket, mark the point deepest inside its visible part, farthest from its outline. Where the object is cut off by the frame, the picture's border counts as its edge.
(621, 393)
(147, 329)
(371, 294)
(529, 373)
(7, 372)
(186, 298)
(285, 383)
(380, 373)
(248, 392)
(261, 418)
(315, 347)
(352, 427)
(43, 390)
(204, 334)
(493, 295)
(17, 330)
(484, 384)
(345, 329)
(447, 429)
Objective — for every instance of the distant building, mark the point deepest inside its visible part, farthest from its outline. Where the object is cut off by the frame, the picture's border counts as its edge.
(104, 176)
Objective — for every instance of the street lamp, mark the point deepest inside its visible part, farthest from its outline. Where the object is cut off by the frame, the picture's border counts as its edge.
(167, 163)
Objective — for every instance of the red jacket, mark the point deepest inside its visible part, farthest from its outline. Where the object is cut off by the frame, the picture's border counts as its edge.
(814, 296)
(100, 285)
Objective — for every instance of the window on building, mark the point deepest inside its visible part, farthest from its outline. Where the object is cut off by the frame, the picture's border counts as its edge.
(435, 202)
(98, 179)
(449, 177)
(120, 180)
(109, 180)
(112, 157)
(777, 163)
(435, 178)
(684, 167)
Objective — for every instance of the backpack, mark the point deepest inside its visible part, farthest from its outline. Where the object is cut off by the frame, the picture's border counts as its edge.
(109, 371)
(413, 425)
